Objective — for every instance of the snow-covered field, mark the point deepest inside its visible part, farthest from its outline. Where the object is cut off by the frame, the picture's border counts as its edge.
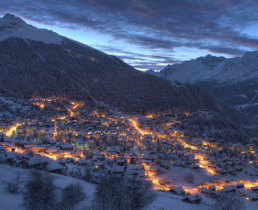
(165, 200)
(10, 201)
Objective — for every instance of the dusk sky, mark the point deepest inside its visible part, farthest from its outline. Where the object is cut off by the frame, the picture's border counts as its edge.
(148, 34)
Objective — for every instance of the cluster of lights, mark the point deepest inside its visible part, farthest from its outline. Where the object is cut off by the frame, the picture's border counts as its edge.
(202, 158)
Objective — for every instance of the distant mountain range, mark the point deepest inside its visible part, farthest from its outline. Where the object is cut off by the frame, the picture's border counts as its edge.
(233, 80)
(39, 62)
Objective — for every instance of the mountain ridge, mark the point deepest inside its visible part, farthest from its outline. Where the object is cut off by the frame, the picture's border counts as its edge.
(214, 68)
(232, 80)
(31, 68)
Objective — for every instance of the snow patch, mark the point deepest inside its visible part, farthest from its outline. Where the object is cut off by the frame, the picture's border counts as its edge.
(11, 26)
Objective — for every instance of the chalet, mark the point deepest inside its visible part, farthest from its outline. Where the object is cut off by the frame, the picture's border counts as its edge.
(212, 187)
(4, 144)
(2, 148)
(254, 188)
(81, 162)
(29, 146)
(98, 165)
(192, 199)
(154, 168)
(222, 171)
(55, 167)
(66, 147)
(194, 166)
(121, 162)
(170, 185)
(38, 149)
(77, 142)
(90, 142)
(229, 188)
(77, 156)
(219, 183)
(215, 194)
(236, 147)
(141, 173)
(204, 190)
(178, 190)
(239, 185)
(35, 162)
(21, 143)
(250, 147)
(244, 192)
(51, 151)
(250, 195)
(9, 158)
(197, 143)
(118, 169)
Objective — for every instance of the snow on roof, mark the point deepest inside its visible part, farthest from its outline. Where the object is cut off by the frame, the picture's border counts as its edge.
(99, 163)
(51, 150)
(10, 155)
(193, 197)
(54, 166)
(66, 146)
(37, 160)
(118, 169)
(179, 190)
(229, 188)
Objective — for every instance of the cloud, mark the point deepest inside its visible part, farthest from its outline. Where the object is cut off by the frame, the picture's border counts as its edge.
(139, 60)
(216, 26)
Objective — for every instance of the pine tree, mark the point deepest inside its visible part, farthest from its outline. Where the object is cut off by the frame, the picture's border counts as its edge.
(39, 191)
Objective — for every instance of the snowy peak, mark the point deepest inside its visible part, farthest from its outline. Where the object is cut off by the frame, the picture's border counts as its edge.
(194, 70)
(152, 72)
(213, 68)
(210, 60)
(8, 18)
(250, 55)
(11, 26)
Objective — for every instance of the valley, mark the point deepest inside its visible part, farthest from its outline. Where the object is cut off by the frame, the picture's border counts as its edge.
(68, 137)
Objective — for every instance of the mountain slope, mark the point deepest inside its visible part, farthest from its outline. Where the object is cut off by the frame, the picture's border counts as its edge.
(31, 67)
(231, 80)
(212, 68)
(193, 70)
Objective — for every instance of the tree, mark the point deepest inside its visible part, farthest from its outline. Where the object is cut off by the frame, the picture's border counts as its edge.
(190, 178)
(75, 150)
(132, 160)
(157, 160)
(13, 187)
(138, 192)
(87, 147)
(128, 193)
(39, 191)
(2, 138)
(88, 173)
(165, 180)
(229, 201)
(71, 195)
(1, 158)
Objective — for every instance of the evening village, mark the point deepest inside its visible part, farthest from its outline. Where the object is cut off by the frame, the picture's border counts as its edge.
(66, 137)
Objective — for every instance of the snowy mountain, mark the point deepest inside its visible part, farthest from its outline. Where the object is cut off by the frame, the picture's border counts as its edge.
(214, 68)
(194, 70)
(11, 26)
(38, 62)
(152, 72)
(234, 80)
